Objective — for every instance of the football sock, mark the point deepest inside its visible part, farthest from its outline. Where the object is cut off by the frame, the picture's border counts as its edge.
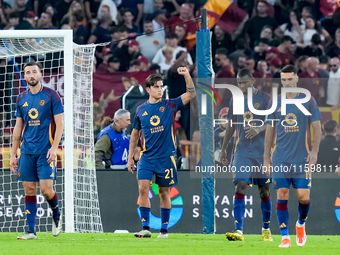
(282, 216)
(239, 209)
(303, 211)
(266, 208)
(54, 204)
(31, 212)
(145, 217)
(165, 216)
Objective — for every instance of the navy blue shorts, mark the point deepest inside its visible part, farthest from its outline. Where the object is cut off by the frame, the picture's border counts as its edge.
(286, 174)
(34, 167)
(163, 168)
(249, 170)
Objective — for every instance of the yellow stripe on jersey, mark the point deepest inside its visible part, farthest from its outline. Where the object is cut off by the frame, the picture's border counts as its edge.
(173, 135)
(173, 161)
(50, 134)
(274, 148)
(306, 141)
(237, 141)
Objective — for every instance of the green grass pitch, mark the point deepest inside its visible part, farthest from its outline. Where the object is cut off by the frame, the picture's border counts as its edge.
(177, 244)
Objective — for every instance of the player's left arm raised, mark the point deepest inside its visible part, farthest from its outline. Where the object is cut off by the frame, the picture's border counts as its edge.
(191, 91)
(313, 155)
(52, 152)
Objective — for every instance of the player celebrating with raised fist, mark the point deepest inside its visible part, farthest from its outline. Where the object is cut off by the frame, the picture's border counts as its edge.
(40, 111)
(155, 120)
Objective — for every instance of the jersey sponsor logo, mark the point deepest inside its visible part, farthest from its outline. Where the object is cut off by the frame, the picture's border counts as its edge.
(33, 113)
(291, 119)
(257, 105)
(145, 114)
(283, 225)
(162, 109)
(155, 120)
(42, 102)
(248, 116)
(25, 104)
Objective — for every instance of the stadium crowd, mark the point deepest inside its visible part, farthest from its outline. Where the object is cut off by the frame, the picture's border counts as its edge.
(152, 35)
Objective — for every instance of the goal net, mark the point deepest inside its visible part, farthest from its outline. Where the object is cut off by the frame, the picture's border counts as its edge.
(67, 68)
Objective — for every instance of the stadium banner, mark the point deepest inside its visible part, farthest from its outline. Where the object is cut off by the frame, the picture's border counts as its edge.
(118, 194)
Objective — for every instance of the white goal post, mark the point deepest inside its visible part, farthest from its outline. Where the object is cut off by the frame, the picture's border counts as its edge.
(71, 69)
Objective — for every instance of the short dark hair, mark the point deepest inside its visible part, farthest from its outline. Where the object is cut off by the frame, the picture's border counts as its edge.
(32, 63)
(153, 79)
(329, 126)
(289, 69)
(13, 15)
(147, 21)
(245, 72)
(222, 51)
(172, 36)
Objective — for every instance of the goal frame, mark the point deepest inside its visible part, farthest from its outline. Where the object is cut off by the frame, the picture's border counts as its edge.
(67, 35)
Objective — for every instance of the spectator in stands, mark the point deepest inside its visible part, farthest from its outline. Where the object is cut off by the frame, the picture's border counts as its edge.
(331, 23)
(128, 22)
(13, 20)
(126, 52)
(45, 21)
(334, 49)
(62, 7)
(91, 10)
(150, 43)
(250, 64)
(241, 63)
(119, 37)
(261, 19)
(242, 49)
(264, 82)
(313, 27)
(137, 9)
(112, 8)
(134, 66)
(261, 49)
(112, 144)
(267, 32)
(329, 150)
(168, 59)
(144, 63)
(101, 34)
(315, 49)
(185, 17)
(301, 64)
(5, 8)
(333, 86)
(180, 32)
(30, 18)
(50, 8)
(220, 39)
(75, 6)
(306, 12)
(292, 28)
(222, 62)
(310, 79)
(20, 7)
(171, 41)
(324, 61)
(112, 66)
(285, 50)
(158, 20)
(80, 34)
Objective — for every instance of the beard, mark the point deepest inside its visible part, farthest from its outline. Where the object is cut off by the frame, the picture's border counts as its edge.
(33, 83)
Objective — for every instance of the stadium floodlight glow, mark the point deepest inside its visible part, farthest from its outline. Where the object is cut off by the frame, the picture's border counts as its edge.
(68, 69)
